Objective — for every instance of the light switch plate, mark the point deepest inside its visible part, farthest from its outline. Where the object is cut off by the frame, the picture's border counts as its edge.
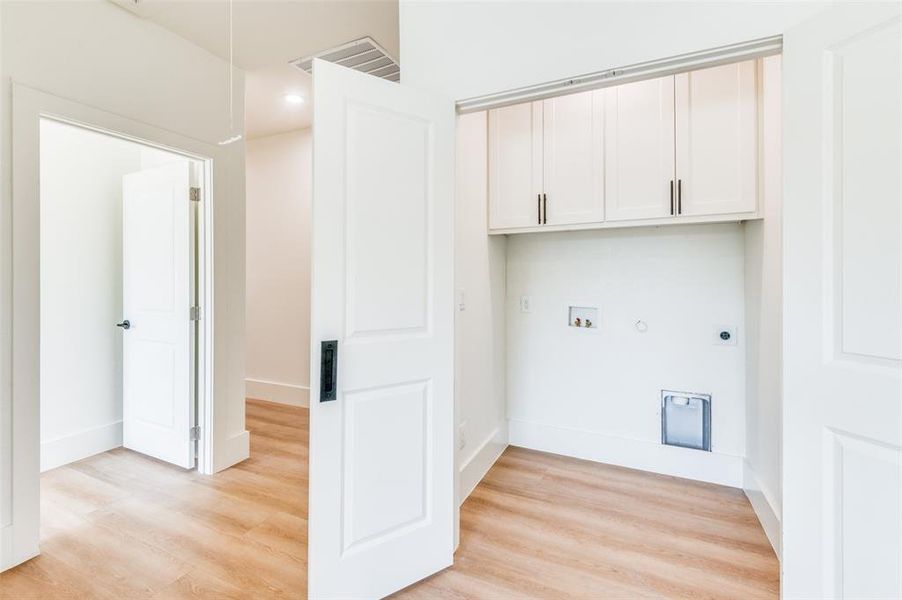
(525, 304)
(724, 335)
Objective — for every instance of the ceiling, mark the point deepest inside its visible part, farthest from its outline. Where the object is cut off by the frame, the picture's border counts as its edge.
(265, 110)
(268, 34)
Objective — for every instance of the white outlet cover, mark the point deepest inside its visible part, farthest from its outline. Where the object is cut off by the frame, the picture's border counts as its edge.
(721, 331)
(525, 304)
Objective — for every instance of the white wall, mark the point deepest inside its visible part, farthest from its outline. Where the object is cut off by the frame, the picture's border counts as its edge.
(595, 394)
(99, 55)
(278, 267)
(479, 280)
(467, 49)
(764, 322)
(81, 291)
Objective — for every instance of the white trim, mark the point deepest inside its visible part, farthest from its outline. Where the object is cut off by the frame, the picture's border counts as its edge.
(767, 511)
(474, 468)
(635, 72)
(82, 444)
(274, 391)
(10, 554)
(713, 467)
(234, 450)
(679, 220)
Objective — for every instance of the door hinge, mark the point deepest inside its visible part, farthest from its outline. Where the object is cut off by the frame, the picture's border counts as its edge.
(194, 433)
(195, 313)
(194, 194)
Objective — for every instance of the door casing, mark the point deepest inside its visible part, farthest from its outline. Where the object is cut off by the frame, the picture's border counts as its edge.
(20, 416)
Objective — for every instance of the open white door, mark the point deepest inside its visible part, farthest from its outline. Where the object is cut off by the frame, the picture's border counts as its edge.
(157, 382)
(842, 496)
(381, 453)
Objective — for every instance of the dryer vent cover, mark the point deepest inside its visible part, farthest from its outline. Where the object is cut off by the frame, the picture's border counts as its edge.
(364, 55)
(686, 420)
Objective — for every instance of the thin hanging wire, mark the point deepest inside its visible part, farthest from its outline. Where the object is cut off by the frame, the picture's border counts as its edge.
(235, 136)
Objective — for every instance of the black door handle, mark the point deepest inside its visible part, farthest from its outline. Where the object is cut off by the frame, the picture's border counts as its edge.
(544, 209)
(539, 207)
(124, 324)
(328, 370)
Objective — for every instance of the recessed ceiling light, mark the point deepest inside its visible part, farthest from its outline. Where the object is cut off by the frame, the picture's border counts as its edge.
(294, 99)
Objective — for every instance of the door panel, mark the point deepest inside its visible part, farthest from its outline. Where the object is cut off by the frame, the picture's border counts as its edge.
(716, 140)
(639, 156)
(842, 512)
(515, 165)
(158, 401)
(381, 454)
(574, 158)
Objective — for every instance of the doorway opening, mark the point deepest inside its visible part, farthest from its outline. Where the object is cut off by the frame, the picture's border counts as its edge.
(121, 254)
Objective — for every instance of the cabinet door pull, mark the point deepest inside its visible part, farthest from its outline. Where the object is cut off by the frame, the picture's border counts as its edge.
(544, 209)
(671, 197)
(539, 207)
(679, 196)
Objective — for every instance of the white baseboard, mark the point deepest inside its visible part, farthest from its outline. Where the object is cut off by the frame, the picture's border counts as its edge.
(723, 469)
(76, 446)
(273, 391)
(769, 514)
(236, 449)
(474, 468)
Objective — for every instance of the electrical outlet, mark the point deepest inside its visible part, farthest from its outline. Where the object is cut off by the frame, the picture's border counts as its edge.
(724, 335)
(462, 436)
(461, 300)
(525, 304)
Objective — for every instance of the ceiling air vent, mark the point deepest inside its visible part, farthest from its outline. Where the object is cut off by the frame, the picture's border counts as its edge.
(363, 55)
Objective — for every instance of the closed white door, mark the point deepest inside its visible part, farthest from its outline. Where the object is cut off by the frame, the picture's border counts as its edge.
(515, 166)
(842, 496)
(639, 155)
(716, 140)
(157, 378)
(573, 159)
(382, 407)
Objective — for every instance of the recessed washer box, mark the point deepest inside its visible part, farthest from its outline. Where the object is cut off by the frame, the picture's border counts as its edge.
(585, 317)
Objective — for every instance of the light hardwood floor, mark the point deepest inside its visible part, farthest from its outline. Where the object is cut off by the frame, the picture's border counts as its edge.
(120, 525)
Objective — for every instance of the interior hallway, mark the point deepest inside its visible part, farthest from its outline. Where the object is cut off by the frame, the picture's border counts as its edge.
(121, 525)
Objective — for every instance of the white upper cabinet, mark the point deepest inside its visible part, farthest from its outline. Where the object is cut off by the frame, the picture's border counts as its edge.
(680, 148)
(573, 159)
(515, 166)
(716, 140)
(639, 151)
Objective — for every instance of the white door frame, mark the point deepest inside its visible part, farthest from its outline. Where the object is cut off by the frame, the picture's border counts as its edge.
(20, 421)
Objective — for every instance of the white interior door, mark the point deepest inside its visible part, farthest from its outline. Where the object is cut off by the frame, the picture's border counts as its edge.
(842, 497)
(157, 381)
(573, 135)
(717, 140)
(639, 155)
(381, 453)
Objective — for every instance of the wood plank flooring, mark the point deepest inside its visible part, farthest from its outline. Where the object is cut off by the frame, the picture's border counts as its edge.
(121, 525)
